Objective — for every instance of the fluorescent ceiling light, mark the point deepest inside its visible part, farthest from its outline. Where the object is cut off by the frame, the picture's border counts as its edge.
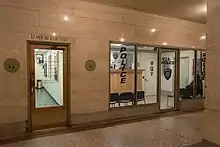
(113, 44)
(153, 30)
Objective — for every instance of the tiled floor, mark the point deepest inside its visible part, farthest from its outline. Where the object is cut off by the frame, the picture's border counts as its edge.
(43, 99)
(176, 131)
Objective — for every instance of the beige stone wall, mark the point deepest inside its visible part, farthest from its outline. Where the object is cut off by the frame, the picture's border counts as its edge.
(90, 28)
(211, 127)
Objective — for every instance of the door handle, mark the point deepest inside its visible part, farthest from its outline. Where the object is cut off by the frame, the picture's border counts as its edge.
(32, 86)
(32, 90)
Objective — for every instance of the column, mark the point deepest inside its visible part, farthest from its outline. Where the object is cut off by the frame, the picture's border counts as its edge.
(211, 125)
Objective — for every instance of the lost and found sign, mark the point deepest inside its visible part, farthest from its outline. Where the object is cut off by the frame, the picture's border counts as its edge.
(48, 38)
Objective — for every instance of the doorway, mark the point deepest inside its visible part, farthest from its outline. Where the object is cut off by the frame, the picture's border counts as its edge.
(147, 61)
(184, 72)
(168, 79)
(48, 85)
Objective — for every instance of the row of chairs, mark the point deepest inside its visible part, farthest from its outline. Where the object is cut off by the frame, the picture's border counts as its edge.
(126, 98)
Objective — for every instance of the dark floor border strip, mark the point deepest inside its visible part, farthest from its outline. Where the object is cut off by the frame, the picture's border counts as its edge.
(91, 126)
(204, 143)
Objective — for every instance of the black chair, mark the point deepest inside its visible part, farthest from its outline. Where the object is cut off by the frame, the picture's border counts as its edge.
(187, 92)
(141, 96)
(114, 99)
(126, 98)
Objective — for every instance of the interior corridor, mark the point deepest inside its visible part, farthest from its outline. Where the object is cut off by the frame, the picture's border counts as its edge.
(44, 99)
(173, 131)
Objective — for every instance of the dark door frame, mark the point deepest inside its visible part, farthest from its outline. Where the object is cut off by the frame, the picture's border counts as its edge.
(28, 57)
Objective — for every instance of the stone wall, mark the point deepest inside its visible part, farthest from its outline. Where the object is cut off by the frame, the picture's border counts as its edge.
(90, 28)
(211, 129)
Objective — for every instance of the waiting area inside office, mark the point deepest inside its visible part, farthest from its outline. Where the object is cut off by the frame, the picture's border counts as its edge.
(145, 75)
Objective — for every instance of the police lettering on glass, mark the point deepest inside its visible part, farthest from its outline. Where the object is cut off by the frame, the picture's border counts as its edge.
(123, 65)
(203, 65)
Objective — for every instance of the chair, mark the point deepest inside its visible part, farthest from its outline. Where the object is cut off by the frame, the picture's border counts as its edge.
(114, 99)
(141, 96)
(126, 98)
(168, 98)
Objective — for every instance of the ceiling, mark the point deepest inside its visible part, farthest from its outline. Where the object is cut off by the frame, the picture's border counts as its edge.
(193, 10)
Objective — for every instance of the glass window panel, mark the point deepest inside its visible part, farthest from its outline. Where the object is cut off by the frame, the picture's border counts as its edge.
(187, 74)
(168, 76)
(122, 58)
(146, 75)
(48, 78)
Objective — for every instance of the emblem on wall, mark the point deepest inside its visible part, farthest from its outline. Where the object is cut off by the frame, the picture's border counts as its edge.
(11, 65)
(90, 65)
(167, 73)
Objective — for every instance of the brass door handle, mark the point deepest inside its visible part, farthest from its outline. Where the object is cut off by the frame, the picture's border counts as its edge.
(32, 85)
(32, 90)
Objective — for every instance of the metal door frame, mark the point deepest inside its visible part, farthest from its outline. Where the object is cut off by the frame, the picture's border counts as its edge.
(176, 79)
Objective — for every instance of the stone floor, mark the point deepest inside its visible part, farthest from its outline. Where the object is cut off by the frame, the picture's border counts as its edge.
(176, 131)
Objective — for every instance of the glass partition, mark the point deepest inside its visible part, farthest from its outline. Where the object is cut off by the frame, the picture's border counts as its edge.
(147, 61)
(48, 78)
(187, 74)
(122, 75)
(136, 80)
(192, 74)
(168, 79)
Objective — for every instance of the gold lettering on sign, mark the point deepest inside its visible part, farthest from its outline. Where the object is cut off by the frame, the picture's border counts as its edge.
(48, 38)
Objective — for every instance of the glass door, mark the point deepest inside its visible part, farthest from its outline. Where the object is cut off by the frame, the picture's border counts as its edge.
(168, 79)
(48, 100)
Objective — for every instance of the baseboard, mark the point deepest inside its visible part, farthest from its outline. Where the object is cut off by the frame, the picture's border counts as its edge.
(12, 129)
(206, 143)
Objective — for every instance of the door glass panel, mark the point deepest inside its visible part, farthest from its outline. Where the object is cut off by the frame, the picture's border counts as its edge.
(187, 74)
(167, 89)
(122, 74)
(146, 75)
(48, 78)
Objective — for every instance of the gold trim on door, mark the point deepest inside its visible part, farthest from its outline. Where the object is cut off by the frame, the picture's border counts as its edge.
(47, 117)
